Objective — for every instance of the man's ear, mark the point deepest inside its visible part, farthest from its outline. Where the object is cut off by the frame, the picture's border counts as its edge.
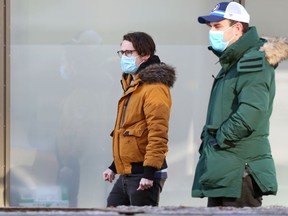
(146, 57)
(240, 27)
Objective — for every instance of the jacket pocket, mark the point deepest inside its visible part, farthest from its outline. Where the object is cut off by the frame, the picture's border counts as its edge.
(221, 168)
(264, 173)
(133, 144)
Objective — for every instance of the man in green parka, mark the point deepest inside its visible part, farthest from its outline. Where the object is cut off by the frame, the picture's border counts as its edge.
(236, 167)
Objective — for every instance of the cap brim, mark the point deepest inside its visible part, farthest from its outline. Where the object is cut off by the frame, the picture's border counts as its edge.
(209, 18)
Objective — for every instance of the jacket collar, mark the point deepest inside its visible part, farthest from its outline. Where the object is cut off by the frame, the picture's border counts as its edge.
(234, 52)
(275, 49)
(151, 72)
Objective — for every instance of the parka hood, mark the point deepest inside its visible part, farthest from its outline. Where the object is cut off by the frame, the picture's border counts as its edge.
(276, 49)
(158, 73)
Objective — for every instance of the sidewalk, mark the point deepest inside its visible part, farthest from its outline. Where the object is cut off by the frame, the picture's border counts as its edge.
(146, 210)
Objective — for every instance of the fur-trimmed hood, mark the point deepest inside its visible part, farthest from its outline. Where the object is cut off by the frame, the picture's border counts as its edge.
(276, 49)
(158, 73)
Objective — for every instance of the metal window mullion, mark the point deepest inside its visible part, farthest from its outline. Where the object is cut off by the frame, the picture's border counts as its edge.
(7, 102)
(242, 2)
(2, 104)
(4, 99)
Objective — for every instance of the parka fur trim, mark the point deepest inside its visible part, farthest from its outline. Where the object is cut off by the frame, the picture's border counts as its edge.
(276, 49)
(158, 73)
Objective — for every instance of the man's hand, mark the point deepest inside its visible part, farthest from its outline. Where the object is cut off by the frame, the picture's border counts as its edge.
(213, 142)
(145, 184)
(108, 175)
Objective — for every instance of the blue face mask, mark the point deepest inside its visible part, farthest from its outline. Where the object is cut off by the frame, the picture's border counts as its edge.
(128, 64)
(217, 41)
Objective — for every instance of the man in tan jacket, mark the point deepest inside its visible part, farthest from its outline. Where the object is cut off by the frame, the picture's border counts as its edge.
(140, 136)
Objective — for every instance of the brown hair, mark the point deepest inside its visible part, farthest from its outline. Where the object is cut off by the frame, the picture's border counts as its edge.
(142, 42)
(245, 25)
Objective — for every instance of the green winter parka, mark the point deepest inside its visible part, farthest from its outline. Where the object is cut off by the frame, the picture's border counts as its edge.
(238, 121)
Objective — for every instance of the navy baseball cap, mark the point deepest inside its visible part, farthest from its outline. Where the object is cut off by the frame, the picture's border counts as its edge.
(226, 10)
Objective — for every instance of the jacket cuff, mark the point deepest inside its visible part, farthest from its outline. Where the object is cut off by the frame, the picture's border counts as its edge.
(149, 172)
(113, 167)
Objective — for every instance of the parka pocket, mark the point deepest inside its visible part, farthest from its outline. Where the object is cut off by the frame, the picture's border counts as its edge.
(133, 144)
(264, 173)
(221, 168)
(207, 135)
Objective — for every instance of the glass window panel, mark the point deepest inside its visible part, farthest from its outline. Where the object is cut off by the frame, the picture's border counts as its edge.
(65, 86)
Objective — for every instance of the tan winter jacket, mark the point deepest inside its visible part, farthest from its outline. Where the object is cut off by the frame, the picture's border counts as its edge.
(140, 136)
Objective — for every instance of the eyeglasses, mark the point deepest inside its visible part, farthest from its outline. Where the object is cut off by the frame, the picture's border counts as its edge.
(127, 53)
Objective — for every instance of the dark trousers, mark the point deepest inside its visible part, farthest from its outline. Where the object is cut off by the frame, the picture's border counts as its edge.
(250, 196)
(124, 192)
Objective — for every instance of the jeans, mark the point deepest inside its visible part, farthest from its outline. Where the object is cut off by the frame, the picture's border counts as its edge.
(124, 192)
(251, 196)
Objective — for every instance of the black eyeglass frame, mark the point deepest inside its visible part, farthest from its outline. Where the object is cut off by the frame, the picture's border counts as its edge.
(127, 53)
